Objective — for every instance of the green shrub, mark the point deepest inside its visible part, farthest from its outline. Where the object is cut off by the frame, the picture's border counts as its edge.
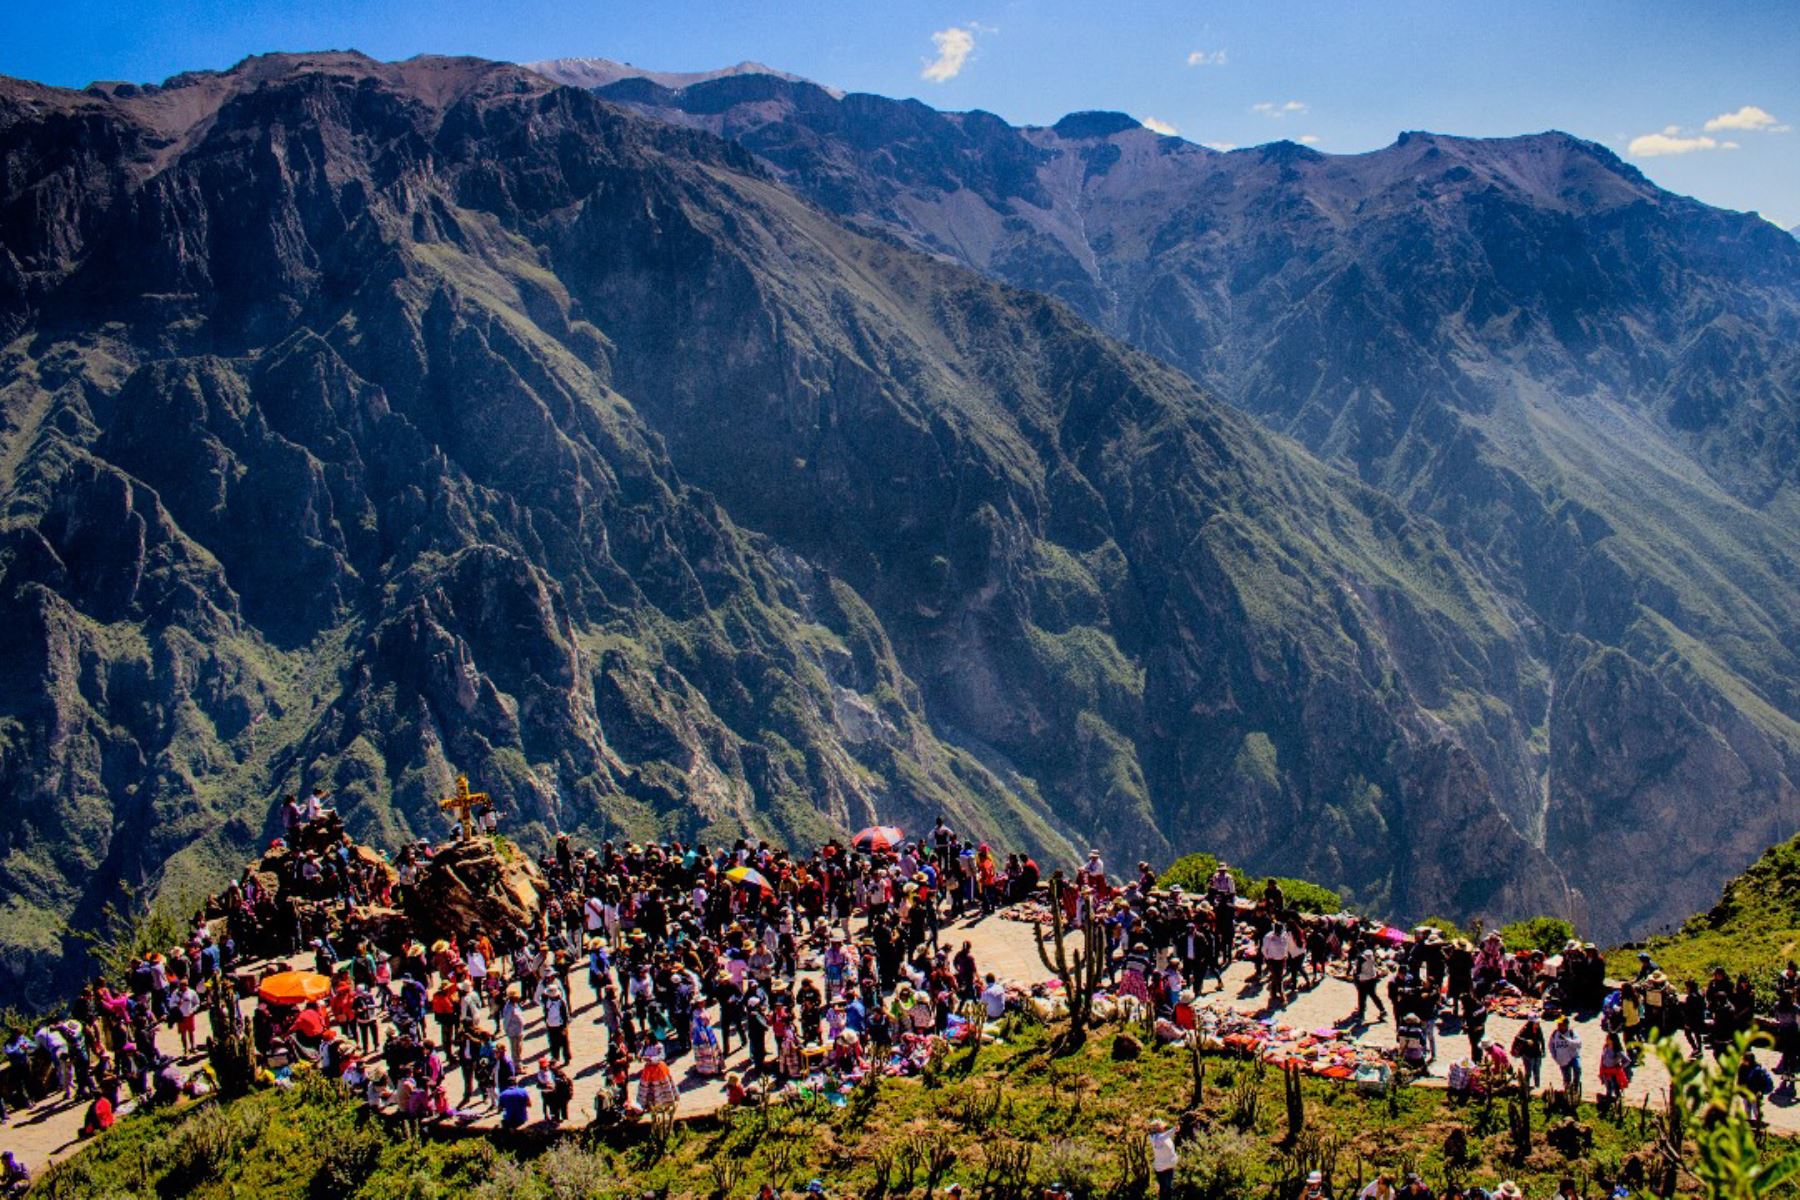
(348, 1160)
(1304, 895)
(572, 1172)
(1072, 1163)
(1219, 1164)
(1194, 872)
(1539, 933)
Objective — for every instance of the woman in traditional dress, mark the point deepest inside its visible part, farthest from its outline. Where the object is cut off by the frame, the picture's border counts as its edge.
(837, 964)
(790, 1059)
(709, 1059)
(656, 1087)
(1133, 980)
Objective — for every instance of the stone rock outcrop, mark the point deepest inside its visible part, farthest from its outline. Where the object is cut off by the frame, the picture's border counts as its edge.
(475, 883)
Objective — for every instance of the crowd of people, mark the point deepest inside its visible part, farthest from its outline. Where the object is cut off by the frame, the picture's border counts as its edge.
(825, 966)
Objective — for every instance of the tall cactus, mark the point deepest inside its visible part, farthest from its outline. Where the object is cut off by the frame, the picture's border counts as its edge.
(1079, 971)
(1295, 1098)
(1518, 1118)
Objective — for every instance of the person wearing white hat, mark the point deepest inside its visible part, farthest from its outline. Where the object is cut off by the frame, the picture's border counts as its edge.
(556, 1020)
(1315, 1187)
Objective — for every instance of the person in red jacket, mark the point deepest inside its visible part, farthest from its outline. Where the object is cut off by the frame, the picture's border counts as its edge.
(99, 1117)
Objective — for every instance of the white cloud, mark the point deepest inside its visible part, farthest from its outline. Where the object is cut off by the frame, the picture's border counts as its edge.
(1746, 118)
(954, 45)
(1271, 109)
(1156, 126)
(1221, 147)
(1308, 139)
(1206, 58)
(1670, 141)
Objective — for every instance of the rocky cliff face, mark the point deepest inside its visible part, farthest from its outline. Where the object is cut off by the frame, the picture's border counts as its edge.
(364, 422)
(1592, 384)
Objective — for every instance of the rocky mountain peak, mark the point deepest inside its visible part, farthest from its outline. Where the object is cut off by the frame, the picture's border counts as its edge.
(1080, 126)
(603, 72)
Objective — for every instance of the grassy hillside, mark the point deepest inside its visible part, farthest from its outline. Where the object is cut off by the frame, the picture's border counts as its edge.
(1020, 1115)
(1755, 927)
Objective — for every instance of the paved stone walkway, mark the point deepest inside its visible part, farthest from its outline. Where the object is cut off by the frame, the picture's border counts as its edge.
(1005, 947)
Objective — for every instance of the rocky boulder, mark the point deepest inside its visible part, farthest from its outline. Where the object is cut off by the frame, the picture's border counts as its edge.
(476, 882)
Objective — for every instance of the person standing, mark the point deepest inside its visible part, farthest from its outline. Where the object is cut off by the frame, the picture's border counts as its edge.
(1528, 1048)
(556, 1022)
(756, 1026)
(1565, 1051)
(184, 1006)
(1163, 1157)
(512, 1022)
(1274, 957)
(1615, 1068)
(1693, 1016)
(55, 1049)
(1474, 1014)
(1366, 975)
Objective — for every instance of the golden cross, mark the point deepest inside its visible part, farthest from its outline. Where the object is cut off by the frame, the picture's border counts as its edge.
(462, 804)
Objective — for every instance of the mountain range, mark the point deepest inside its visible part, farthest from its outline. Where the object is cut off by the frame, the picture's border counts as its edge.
(739, 457)
(1591, 384)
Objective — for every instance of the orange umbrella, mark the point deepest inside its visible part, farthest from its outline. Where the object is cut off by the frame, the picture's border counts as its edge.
(294, 987)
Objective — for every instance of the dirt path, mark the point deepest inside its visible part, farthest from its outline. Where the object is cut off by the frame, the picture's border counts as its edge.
(1002, 946)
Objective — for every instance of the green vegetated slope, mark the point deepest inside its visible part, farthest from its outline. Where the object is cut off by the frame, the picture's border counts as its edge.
(1754, 928)
(368, 422)
(1021, 1117)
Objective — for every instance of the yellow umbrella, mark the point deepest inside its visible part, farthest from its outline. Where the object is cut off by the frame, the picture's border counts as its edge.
(747, 875)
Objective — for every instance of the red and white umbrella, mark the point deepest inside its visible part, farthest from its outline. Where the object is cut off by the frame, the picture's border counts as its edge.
(878, 837)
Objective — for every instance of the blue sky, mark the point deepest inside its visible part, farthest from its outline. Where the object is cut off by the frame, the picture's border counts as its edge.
(1645, 79)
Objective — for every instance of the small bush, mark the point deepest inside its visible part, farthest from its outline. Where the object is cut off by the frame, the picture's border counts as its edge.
(571, 1173)
(349, 1158)
(507, 1179)
(1074, 1164)
(1306, 897)
(1219, 1164)
(1539, 933)
(1194, 872)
